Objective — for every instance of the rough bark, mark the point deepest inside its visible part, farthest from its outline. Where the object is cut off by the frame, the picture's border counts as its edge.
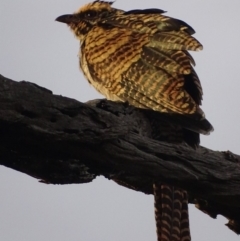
(62, 141)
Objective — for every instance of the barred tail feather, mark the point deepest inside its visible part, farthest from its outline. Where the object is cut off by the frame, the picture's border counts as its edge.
(171, 213)
(185, 230)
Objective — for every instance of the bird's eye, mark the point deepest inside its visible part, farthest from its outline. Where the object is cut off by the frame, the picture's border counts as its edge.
(91, 14)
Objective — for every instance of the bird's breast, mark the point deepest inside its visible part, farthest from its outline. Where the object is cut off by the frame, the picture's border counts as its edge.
(98, 85)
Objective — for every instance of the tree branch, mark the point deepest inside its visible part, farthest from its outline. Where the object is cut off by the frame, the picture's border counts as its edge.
(60, 140)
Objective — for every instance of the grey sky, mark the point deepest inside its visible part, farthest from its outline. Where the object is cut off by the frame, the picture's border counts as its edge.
(35, 48)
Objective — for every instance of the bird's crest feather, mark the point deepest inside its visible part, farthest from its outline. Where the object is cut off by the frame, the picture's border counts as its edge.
(96, 5)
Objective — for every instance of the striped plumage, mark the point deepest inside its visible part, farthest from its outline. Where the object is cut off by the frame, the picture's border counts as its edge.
(171, 207)
(141, 56)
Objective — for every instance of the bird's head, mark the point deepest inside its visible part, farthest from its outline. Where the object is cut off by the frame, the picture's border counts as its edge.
(92, 14)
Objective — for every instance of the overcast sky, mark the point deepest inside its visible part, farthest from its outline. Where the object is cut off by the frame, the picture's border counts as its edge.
(33, 47)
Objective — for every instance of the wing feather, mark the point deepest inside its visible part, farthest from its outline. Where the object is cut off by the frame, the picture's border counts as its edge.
(174, 62)
(175, 41)
(161, 91)
(145, 61)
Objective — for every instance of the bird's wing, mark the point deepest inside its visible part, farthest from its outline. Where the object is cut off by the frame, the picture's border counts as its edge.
(140, 70)
(167, 32)
(147, 68)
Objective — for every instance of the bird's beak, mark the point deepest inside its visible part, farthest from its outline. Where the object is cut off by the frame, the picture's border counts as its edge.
(67, 18)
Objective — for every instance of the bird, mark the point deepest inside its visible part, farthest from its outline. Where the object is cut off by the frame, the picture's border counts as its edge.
(142, 57)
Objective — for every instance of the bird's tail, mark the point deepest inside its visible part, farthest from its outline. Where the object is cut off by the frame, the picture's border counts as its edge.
(171, 213)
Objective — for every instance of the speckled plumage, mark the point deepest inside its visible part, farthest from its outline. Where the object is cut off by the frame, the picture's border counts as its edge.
(141, 56)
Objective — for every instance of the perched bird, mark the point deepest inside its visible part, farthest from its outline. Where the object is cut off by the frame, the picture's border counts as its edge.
(141, 57)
